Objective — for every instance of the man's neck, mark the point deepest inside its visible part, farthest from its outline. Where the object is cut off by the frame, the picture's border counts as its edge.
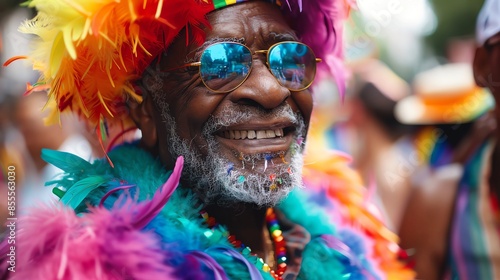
(246, 223)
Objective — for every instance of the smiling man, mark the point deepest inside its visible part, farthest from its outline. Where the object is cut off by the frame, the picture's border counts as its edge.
(239, 125)
(221, 93)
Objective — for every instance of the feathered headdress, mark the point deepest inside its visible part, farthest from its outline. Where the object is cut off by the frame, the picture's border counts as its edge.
(90, 51)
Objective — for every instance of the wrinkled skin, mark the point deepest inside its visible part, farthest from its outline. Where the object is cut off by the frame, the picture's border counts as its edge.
(191, 105)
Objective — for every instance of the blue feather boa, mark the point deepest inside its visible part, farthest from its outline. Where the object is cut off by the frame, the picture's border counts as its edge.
(184, 235)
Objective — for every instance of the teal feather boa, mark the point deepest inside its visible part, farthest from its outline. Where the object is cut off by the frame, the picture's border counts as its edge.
(179, 225)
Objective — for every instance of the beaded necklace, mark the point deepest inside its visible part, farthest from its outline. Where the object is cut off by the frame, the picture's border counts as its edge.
(276, 235)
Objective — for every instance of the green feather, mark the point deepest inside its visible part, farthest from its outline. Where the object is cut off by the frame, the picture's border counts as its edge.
(65, 161)
(81, 189)
(58, 192)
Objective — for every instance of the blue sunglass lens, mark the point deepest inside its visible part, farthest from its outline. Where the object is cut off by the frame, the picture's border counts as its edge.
(293, 64)
(224, 66)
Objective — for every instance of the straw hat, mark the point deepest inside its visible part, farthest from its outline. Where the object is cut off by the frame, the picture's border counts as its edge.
(444, 95)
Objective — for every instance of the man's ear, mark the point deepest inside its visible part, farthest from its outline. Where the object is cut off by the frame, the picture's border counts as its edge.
(481, 67)
(143, 116)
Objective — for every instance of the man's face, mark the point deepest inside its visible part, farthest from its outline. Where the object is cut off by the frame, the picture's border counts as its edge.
(241, 146)
(487, 66)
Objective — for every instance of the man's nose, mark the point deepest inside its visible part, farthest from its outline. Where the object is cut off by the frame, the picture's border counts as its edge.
(260, 89)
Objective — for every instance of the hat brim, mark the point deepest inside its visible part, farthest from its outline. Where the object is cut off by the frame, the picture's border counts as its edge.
(414, 110)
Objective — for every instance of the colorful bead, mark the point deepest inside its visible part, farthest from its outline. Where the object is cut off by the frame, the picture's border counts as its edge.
(279, 243)
(276, 234)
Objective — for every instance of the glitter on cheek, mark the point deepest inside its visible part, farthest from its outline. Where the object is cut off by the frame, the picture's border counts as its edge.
(230, 168)
(282, 156)
(267, 157)
(241, 179)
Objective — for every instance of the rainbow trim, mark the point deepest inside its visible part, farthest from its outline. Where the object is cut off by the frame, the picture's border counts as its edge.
(474, 244)
(219, 4)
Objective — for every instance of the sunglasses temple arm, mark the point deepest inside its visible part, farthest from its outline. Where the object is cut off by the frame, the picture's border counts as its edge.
(193, 64)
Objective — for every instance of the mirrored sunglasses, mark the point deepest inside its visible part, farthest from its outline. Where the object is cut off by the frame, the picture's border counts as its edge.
(224, 66)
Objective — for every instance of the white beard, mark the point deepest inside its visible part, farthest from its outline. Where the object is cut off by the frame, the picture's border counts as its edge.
(217, 180)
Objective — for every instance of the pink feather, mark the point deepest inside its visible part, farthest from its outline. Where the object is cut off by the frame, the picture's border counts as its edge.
(319, 24)
(147, 211)
(55, 243)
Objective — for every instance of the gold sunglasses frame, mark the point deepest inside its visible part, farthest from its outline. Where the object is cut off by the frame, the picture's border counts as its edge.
(198, 64)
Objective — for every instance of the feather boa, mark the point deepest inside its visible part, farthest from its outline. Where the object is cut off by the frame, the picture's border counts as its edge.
(339, 189)
(130, 237)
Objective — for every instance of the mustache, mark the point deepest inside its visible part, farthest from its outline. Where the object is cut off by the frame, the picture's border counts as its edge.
(237, 115)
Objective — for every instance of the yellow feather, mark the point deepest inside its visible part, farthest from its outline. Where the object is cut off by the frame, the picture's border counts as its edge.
(132, 11)
(107, 39)
(104, 103)
(82, 106)
(53, 117)
(108, 71)
(158, 9)
(88, 68)
(121, 60)
(68, 42)
(56, 55)
(143, 48)
(86, 29)
(133, 94)
(77, 7)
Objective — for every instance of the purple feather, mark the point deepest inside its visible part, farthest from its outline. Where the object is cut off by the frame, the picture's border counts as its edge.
(339, 246)
(147, 211)
(254, 273)
(203, 257)
(124, 187)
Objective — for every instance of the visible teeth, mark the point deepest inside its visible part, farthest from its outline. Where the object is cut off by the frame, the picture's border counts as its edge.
(261, 134)
(253, 134)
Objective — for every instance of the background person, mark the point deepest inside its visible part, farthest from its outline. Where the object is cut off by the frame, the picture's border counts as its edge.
(449, 190)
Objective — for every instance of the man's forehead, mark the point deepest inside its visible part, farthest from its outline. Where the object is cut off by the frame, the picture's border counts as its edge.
(269, 38)
(248, 20)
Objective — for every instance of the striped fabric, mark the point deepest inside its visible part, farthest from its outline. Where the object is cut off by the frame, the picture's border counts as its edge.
(218, 4)
(474, 248)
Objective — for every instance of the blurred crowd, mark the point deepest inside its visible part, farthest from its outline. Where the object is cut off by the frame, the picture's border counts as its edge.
(425, 146)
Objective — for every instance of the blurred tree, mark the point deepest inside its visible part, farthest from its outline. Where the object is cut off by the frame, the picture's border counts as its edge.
(7, 5)
(456, 19)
